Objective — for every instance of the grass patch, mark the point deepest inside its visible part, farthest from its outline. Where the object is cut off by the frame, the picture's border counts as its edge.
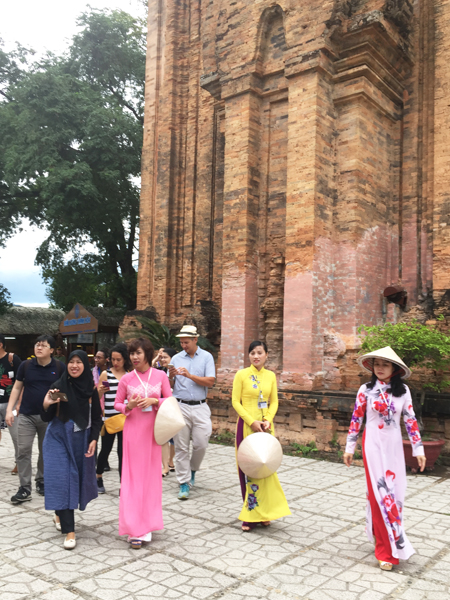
(225, 438)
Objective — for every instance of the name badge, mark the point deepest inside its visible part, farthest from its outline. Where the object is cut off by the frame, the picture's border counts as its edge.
(2, 392)
(262, 404)
(10, 374)
(148, 409)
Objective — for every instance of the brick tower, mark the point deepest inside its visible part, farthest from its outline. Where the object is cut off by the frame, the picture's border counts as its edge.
(292, 171)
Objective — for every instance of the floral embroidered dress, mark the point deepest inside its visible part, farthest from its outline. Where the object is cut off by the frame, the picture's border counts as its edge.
(384, 457)
(140, 507)
(264, 499)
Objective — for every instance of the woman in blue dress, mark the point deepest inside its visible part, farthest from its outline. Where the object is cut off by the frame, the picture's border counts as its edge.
(70, 443)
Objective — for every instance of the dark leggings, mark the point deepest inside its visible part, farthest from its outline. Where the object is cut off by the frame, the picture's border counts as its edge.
(67, 519)
(107, 444)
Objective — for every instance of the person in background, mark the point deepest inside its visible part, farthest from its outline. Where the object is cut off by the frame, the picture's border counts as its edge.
(101, 360)
(59, 355)
(162, 361)
(139, 396)
(107, 389)
(9, 365)
(70, 444)
(193, 374)
(101, 364)
(34, 377)
(255, 399)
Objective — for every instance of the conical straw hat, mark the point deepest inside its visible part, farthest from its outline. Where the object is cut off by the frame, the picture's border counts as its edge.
(259, 455)
(366, 361)
(169, 421)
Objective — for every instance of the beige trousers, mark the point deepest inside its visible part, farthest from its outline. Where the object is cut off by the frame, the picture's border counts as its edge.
(198, 428)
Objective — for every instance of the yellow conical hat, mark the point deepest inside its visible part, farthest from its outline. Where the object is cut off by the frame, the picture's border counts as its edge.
(169, 421)
(259, 455)
(366, 360)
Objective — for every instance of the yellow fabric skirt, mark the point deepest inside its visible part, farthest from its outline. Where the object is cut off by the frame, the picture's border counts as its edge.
(264, 498)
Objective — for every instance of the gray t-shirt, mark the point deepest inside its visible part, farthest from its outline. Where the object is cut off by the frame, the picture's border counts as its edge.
(201, 365)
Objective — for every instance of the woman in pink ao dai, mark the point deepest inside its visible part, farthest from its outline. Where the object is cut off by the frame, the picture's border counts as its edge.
(139, 395)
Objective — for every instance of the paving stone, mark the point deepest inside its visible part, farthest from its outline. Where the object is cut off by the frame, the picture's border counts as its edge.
(59, 594)
(155, 576)
(303, 574)
(426, 590)
(16, 584)
(435, 499)
(320, 552)
(329, 503)
(439, 571)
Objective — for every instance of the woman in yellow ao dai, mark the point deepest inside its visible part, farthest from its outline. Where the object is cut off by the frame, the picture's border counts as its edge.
(255, 399)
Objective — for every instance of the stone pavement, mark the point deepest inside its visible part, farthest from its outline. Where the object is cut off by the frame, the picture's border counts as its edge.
(319, 553)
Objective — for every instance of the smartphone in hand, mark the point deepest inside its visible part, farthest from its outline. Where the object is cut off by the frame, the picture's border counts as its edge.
(59, 396)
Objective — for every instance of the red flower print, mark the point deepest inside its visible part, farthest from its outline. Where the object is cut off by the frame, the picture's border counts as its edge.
(380, 426)
(359, 411)
(381, 407)
(354, 427)
(5, 381)
(388, 501)
(413, 425)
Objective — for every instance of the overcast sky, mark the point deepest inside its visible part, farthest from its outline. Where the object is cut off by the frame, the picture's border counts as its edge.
(42, 25)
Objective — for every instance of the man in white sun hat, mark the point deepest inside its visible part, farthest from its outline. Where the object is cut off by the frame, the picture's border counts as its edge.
(191, 372)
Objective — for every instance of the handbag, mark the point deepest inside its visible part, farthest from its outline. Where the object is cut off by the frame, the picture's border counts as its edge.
(115, 424)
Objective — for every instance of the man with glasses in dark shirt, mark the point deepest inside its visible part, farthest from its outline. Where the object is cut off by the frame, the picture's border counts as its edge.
(35, 376)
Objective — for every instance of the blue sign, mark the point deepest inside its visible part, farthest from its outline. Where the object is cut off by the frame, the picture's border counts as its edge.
(80, 321)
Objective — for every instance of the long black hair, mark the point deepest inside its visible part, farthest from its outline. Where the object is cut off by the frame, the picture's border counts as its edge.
(123, 351)
(397, 387)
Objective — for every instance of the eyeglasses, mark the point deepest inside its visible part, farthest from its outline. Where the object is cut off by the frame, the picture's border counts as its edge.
(41, 345)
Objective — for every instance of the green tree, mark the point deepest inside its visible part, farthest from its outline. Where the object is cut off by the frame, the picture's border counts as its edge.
(4, 299)
(12, 66)
(419, 346)
(71, 130)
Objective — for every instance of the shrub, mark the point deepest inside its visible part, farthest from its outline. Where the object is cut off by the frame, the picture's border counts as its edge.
(417, 345)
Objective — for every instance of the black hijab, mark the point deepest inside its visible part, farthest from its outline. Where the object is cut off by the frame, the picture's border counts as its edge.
(78, 390)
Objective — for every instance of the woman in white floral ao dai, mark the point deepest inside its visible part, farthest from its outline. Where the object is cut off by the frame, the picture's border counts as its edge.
(383, 400)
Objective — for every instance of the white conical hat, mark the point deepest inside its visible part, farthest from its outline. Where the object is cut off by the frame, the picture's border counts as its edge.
(366, 361)
(169, 421)
(259, 455)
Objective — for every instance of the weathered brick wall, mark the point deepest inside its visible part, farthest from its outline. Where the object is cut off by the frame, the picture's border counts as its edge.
(295, 164)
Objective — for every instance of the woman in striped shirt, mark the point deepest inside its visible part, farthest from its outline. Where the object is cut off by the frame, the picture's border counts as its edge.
(107, 388)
